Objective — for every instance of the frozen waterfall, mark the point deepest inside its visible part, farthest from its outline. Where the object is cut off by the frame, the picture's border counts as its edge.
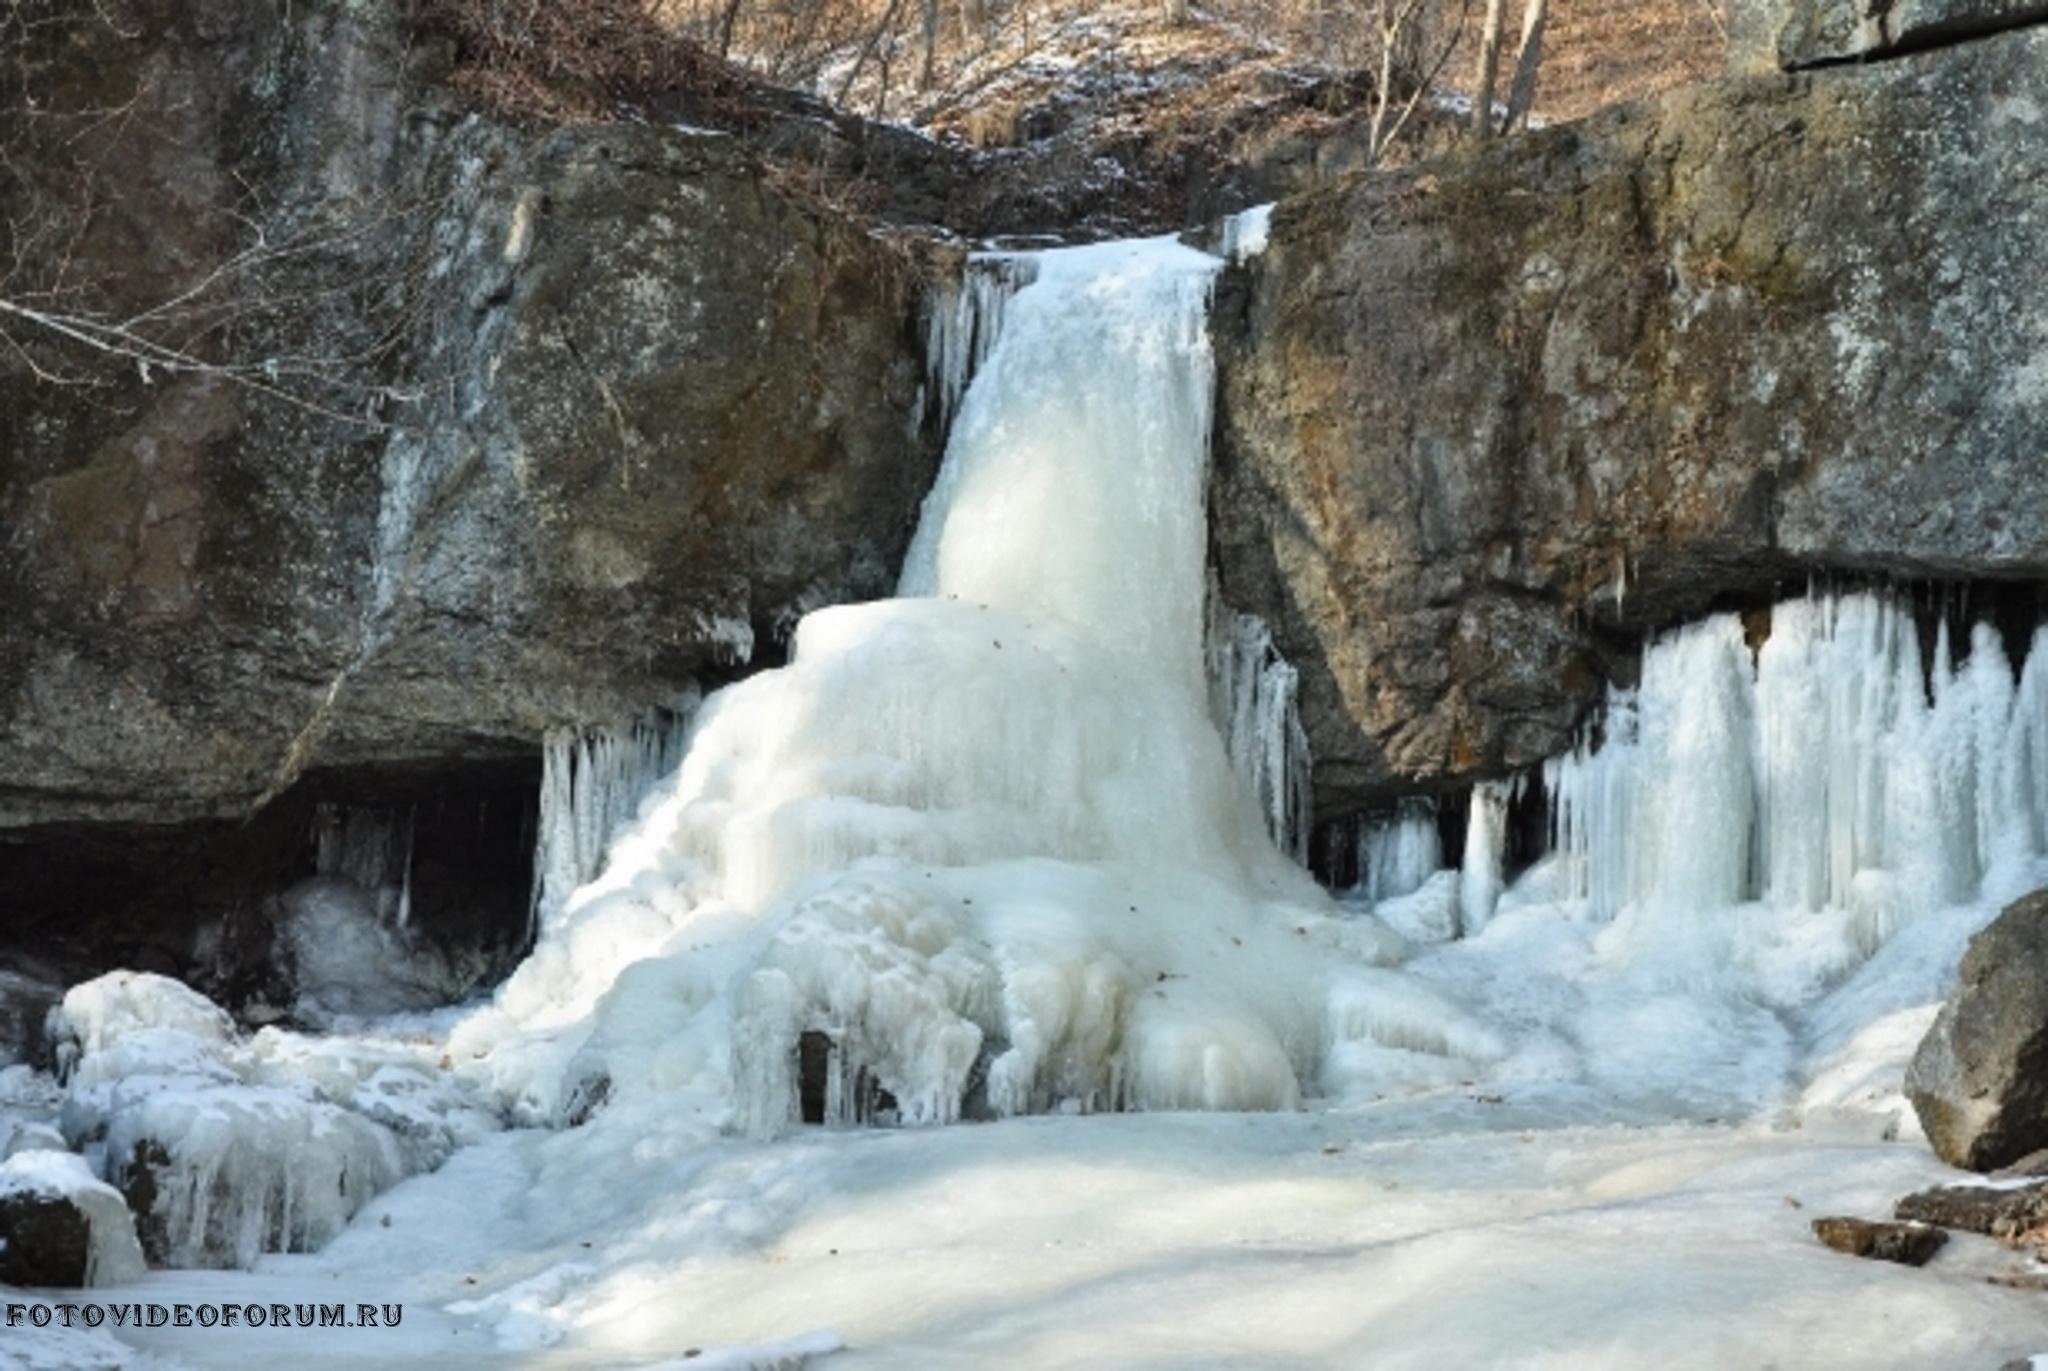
(981, 848)
(1027, 837)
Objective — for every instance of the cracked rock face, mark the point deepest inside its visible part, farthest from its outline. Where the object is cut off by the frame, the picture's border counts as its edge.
(598, 411)
(1789, 35)
(1483, 423)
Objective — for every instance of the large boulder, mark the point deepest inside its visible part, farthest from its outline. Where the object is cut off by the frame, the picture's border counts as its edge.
(60, 1226)
(1979, 1081)
(1484, 422)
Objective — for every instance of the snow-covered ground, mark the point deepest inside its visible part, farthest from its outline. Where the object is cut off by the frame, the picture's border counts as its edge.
(1447, 1230)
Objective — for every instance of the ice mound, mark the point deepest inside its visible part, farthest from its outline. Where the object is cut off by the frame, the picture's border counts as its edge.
(232, 1147)
(348, 959)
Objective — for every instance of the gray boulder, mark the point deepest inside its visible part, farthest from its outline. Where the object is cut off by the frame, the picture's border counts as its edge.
(1774, 35)
(1979, 1081)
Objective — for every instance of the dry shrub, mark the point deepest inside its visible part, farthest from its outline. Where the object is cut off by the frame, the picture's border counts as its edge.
(579, 60)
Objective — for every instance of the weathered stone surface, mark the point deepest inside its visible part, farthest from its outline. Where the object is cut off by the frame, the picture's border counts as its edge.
(1787, 35)
(1979, 1081)
(1909, 1244)
(61, 1227)
(2012, 1214)
(634, 410)
(573, 417)
(45, 1240)
(1483, 422)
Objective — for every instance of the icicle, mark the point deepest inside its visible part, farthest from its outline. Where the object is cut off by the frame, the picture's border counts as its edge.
(1252, 697)
(1588, 790)
(371, 847)
(1483, 875)
(1246, 232)
(1397, 854)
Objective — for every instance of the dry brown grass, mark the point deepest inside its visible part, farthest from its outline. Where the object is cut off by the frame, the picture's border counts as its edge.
(1604, 52)
(572, 60)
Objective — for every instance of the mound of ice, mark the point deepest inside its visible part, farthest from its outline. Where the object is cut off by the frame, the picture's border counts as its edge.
(347, 958)
(238, 1146)
(29, 1135)
(1428, 913)
(120, 1005)
(114, 1257)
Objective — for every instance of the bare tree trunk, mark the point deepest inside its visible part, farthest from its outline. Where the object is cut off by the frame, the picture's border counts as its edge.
(1176, 11)
(726, 23)
(931, 44)
(973, 18)
(1377, 136)
(1489, 70)
(1522, 90)
(867, 50)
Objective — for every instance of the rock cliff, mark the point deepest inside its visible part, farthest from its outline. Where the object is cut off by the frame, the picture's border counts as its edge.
(399, 435)
(1486, 421)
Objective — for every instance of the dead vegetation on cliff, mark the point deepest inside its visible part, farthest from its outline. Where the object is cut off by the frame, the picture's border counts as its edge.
(577, 60)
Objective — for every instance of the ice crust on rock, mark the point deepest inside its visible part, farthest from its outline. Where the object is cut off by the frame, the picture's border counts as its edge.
(250, 1145)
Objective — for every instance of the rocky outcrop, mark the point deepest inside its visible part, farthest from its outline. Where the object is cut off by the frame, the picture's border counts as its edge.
(1979, 1081)
(441, 430)
(2015, 1215)
(635, 410)
(1484, 422)
(1788, 35)
(1908, 1244)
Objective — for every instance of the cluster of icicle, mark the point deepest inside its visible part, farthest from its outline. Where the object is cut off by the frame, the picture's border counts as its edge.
(592, 781)
(1252, 693)
(371, 847)
(1396, 853)
(1845, 764)
(962, 322)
